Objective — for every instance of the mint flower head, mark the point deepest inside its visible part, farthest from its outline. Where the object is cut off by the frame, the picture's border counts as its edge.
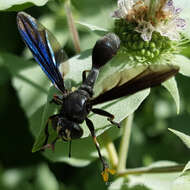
(152, 16)
(149, 28)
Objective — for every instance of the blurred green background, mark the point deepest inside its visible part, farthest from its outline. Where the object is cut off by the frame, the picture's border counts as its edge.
(151, 141)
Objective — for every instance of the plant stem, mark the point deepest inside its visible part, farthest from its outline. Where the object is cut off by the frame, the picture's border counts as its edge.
(124, 144)
(147, 170)
(72, 26)
(110, 147)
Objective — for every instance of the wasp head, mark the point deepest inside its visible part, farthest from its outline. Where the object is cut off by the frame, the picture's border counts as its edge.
(68, 130)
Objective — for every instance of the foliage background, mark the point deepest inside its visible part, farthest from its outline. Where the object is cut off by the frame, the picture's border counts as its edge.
(151, 141)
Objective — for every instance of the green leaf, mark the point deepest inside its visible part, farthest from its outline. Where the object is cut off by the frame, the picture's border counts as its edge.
(183, 63)
(183, 180)
(47, 110)
(185, 138)
(122, 184)
(45, 179)
(14, 63)
(32, 87)
(19, 178)
(117, 184)
(98, 30)
(88, 13)
(29, 80)
(77, 65)
(8, 4)
(171, 86)
(153, 181)
(19, 7)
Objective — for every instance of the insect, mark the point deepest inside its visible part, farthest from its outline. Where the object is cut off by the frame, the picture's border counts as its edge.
(76, 105)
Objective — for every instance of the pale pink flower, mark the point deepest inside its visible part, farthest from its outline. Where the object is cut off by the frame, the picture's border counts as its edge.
(152, 15)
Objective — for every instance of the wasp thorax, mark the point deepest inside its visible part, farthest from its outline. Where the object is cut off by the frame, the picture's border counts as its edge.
(105, 49)
(133, 44)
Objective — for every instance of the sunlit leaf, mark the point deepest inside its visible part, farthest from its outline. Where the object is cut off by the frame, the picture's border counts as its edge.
(185, 138)
(19, 7)
(153, 181)
(101, 21)
(95, 29)
(122, 184)
(97, 13)
(171, 86)
(184, 64)
(8, 4)
(30, 82)
(45, 179)
(20, 178)
(183, 180)
(160, 181)
(117, 184)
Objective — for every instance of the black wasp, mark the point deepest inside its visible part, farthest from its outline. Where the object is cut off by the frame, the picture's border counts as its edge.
(75, 106)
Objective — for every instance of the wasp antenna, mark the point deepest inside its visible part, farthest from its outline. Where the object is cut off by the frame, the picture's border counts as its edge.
(70, 149)
(104, 49)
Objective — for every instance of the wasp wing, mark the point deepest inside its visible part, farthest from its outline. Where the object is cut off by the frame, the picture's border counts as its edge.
(44, 47)
(152, 76)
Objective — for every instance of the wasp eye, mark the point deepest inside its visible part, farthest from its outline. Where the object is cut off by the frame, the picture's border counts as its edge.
(104, 49)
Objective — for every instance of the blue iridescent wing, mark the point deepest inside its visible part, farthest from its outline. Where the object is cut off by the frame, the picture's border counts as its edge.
(44, 47)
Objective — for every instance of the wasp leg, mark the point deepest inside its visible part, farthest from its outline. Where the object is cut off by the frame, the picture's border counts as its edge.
(53, 119)
(57, 100)
(106, 170)
(107, 114)
(84, 75)
(51, 146)
(92, 131)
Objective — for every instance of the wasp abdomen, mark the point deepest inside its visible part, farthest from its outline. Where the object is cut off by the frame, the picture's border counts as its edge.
(105, 49)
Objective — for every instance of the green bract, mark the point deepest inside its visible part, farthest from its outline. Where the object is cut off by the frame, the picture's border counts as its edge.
(143, 51)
